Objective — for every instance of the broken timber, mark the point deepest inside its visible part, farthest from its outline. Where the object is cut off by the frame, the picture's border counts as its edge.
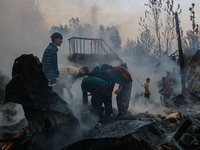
(180, 53)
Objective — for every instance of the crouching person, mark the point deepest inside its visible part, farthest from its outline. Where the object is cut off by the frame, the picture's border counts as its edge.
(100, 91)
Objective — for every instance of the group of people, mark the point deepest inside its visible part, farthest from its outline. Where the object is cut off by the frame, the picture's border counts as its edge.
(99, 82)
(167, 85)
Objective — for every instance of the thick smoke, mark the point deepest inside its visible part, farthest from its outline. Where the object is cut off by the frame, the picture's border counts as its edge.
(94, 20)
(142, 67)
(22, 30)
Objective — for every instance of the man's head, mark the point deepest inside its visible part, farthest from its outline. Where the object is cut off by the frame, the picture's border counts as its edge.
(83, 71)
(57, 38)
(148, 80)
(106, 68)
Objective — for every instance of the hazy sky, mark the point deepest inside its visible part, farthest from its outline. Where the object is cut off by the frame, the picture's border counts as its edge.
(125, 14)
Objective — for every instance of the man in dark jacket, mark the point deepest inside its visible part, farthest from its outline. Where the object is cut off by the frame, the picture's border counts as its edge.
(120, 75)
(50, 59)
(99, 89)
(96, 71)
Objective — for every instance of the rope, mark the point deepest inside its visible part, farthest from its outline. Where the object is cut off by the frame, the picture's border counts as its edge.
(139, 81)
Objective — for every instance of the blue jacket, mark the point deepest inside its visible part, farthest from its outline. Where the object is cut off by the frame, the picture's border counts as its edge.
(50, 63)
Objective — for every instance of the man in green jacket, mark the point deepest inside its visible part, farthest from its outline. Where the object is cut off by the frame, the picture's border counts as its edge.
(100, 90)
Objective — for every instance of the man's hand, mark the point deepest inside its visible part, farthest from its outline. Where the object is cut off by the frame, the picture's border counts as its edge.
(53, 85)
(117, 91)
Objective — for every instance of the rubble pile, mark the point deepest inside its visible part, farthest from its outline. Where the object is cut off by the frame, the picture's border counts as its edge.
(145, 132)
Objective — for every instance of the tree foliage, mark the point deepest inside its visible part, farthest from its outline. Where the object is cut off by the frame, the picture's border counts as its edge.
(76, 29)
(145, 44)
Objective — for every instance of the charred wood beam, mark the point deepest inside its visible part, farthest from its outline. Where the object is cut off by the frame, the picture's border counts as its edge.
(186, 124)
(180, 54)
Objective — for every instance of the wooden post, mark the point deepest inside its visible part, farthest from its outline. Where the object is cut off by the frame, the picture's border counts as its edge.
(181, 58)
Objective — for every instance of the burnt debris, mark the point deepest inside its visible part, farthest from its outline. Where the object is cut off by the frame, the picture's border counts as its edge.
(145, 132)
(48, 115)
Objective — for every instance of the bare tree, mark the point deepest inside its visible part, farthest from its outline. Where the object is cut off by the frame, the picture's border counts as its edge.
(195, 30)
(160, 20)
(191, 41)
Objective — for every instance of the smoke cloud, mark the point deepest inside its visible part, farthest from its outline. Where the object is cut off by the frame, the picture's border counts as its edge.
(142, 67)
(22, 30)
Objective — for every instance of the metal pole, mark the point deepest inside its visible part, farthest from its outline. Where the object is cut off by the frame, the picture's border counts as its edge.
(91, 46)
(95, 46)
(80, 47)
(73, 46)
(77, 45)
(69, 47)
(84, 46)
(101, 47)
(181, 58)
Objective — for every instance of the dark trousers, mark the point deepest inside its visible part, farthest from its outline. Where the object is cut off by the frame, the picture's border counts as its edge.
(102, 96)
(123, 99)
(147, 95)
